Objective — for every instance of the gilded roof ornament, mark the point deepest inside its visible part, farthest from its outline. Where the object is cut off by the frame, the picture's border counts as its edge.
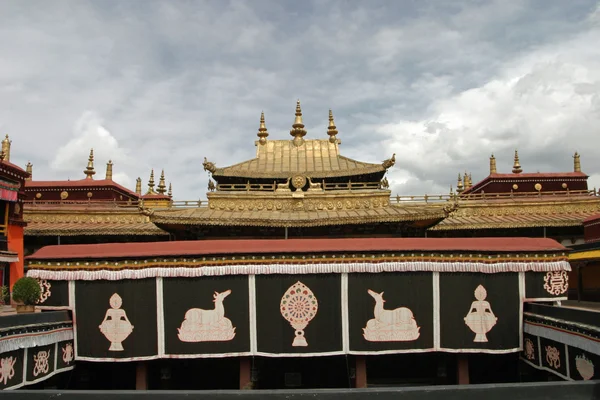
(209, 166)
(6, 148)
(298, 131)
(492, 164)
(170, 192)
(29, 170)
(151, 183)
(109, 170)
(138, 185)
(460, 187)
(516, 166)
(162, 187)
(332, 130)
(211, 186)
(89, 170)
(262, 130)
(576, 162)
(389, 162)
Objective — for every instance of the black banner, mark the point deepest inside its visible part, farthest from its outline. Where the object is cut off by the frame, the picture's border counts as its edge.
(546, 285)
(479, 311)
(390, 311)
(40, 362)
(54, 293)
(11, 368)
(206, 315)
(65, 354)
(583, 365)
(299, 313)
(116, 319)
(553, 356)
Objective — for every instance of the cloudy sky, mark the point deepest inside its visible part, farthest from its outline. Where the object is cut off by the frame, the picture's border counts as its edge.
(161, 84)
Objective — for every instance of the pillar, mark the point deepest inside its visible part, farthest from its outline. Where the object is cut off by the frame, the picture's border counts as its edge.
(462, 369)
(141, 376)
(361, 372)
(245, 373)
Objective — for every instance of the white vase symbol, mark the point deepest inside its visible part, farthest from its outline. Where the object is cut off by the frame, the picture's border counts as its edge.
(299, 306)
(480, 318)
(207, 325)
(398, 325)
(116, 327)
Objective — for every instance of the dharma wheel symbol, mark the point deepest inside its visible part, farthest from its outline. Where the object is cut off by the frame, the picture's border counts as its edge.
(299, 306)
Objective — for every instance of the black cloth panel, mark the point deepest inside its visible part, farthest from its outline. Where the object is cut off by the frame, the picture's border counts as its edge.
(206, 315)
(57, 292)
(322, 333)
(583, 365)
(545, 285)
(498, 306)
(390, 311)
(553, 355)
(115, 306)
(12, 370)
(65, 354)
(40, 362)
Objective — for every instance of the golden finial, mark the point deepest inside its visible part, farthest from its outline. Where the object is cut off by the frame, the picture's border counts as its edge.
(298, 130)
(151, 183)
(466, 180)
(516, 166)
(109, 166)
(138, 185)
(262, 130)
(162, 187)
(6, 148)
(89, 170)
(492, 164)
(459, 184)
(576, 162)
(170, 192)
(29, 170)
(331, 130)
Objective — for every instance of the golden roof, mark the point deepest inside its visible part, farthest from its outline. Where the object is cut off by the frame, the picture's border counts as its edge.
(315, 158)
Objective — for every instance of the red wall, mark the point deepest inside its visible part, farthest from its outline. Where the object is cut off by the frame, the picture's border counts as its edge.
(15, 243)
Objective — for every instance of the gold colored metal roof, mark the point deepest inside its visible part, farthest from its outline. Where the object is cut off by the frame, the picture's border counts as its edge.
(315, 158)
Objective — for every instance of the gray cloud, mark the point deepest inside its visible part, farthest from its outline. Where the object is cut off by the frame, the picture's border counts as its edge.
(158, 84)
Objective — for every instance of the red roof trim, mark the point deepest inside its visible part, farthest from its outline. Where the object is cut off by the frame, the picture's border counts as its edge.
(529, 175)
(79, 184)
(206, 247)
(592, 218)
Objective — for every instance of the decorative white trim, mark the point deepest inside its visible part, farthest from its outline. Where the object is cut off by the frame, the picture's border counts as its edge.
(436, 311)
(530, 300)
(328, 353)
(74, 313)
(9, 259)
(399, 351)
(55, 355)
(208, 355)
(35, 339)
(345, 315)
(97, 359)
(51, 308)
(567, 361)
(252, 313)
(563, 337)
(295, 269)
(543, 368)
(160, 317)
(521, 306)
(485, 351)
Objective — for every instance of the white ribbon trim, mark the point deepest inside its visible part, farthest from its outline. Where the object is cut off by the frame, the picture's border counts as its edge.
(317, 268)
(9, 344)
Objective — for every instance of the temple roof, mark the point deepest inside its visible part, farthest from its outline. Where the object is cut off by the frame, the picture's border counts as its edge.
(316, 158)
(77, 184)
(274, 246)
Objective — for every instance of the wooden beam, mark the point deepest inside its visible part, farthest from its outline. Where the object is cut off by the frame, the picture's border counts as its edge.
(462, 369)
(141, 376)
(245, 373)
(361, 372)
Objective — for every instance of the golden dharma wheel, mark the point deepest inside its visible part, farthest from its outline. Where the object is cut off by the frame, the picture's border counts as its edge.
(538, 186)
(299, 181)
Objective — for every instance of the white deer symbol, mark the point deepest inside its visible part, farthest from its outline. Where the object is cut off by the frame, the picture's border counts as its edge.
(206, 317)
(400, 315)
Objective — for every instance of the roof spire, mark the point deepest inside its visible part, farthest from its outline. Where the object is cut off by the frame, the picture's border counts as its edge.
(576, 162)
(138, 185)
(459, 185)
(6, 148)
(162, 188)
(492, 164)
(516, 166)
(89, 170)
(298, 130)
(262, 130)
(332, 130)
(170, 192)
(109, 166)
(29, 170)
(151, 183)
